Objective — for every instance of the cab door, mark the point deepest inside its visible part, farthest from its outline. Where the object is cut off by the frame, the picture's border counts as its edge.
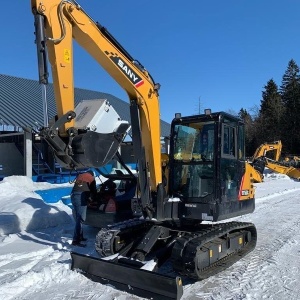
(229, 162)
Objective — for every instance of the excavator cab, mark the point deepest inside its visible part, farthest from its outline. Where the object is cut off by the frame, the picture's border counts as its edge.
(207, 167)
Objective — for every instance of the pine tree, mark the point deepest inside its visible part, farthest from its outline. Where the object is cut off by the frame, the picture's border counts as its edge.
(290, 93)
(270, 113)
(249, 136)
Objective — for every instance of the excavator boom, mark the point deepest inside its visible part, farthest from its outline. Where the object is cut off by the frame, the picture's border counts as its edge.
(279, 167)
(57, 24)
(274, 147)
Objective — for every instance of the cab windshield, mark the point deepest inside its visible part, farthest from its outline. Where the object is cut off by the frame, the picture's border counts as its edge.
(193, 172)
(194, 142)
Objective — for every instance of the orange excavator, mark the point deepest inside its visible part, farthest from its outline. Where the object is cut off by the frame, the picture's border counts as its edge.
(204, 179)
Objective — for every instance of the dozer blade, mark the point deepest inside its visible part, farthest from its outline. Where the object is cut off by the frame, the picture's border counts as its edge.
(135, 281)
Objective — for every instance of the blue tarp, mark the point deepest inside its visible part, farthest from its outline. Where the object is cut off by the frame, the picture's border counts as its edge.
(56, 194)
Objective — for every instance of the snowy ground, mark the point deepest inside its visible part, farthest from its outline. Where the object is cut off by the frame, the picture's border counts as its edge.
(35, 242)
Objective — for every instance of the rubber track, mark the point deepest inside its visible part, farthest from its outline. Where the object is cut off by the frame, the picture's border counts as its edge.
(105, 237)
(185, 249)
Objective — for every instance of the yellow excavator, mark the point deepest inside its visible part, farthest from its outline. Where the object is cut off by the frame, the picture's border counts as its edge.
(262, 159)
(258, 160)
(205, 178)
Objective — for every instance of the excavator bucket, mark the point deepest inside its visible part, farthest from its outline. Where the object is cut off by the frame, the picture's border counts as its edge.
(94, 140)
(293, 173)
(93, 149)
(99, 144)
(143, 283)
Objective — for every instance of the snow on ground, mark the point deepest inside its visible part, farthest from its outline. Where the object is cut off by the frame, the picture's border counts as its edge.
(35, 249)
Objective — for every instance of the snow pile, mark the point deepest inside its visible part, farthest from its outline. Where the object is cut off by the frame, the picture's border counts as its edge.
(23, 209)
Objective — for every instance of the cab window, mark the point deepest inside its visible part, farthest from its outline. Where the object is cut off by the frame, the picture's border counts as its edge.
(229, 141)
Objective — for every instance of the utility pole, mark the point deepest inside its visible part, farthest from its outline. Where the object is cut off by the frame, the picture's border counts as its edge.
(199, 106)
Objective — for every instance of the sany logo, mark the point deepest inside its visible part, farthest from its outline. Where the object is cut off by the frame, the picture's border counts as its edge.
(130, 74)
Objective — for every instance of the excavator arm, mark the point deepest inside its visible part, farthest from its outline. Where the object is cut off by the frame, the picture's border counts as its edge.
(57, 23)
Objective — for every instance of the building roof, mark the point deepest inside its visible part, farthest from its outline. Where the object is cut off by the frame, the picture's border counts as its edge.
(21, 103)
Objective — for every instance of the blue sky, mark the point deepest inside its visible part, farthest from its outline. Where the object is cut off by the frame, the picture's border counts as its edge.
(221, 52)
